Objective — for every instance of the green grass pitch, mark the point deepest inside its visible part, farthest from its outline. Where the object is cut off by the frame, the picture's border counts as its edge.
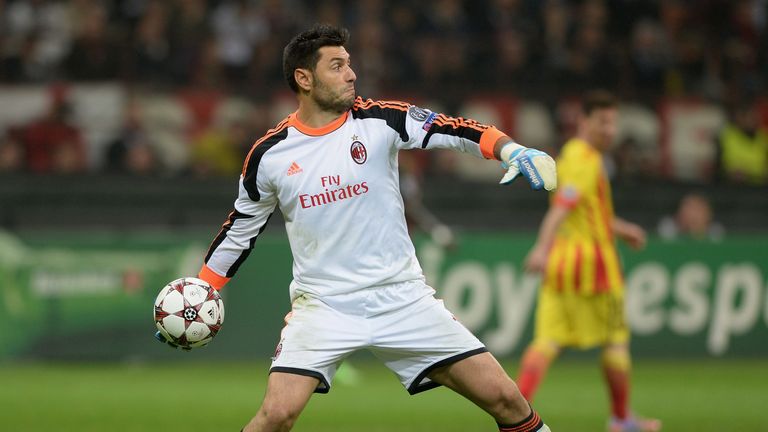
(700, 396)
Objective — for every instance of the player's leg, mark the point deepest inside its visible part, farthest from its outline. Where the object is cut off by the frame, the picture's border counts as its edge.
(426, 346)
(537, 359)
(482, 380)
(551, 329)
(303, 365)
(287, 395)
(617, 366)
(608, 313)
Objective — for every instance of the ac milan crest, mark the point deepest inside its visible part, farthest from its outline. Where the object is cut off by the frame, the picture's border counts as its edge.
(358, 152)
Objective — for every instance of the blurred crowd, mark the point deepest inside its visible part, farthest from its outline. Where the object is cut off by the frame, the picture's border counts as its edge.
(531, 48)
(543, 50)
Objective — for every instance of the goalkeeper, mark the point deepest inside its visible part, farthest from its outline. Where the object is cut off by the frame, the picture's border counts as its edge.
(331, 168)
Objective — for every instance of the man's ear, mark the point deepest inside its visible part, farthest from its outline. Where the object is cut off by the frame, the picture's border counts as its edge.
(304, 78)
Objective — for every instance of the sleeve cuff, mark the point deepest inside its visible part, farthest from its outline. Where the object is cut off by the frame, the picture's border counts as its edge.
(217, 281)
(488, 141)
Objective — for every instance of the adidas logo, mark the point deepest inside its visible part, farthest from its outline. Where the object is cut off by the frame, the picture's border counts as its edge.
(294, 169)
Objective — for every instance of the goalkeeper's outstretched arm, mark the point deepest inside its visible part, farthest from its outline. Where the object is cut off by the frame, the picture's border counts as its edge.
(424, 129)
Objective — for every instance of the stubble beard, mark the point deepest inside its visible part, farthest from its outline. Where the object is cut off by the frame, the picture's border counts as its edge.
(330, 101)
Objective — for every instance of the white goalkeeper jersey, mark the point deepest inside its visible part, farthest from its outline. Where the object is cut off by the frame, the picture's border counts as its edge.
(338, 190)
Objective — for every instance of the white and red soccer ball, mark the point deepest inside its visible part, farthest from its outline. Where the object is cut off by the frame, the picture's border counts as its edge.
(189, 312)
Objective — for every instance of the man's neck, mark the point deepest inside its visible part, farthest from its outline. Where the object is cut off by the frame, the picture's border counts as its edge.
(313, 116)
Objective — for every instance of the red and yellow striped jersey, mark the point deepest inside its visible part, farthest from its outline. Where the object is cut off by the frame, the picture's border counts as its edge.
(583, 257)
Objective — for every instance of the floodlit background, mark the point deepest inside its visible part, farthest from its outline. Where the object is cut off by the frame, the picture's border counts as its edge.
(123, 126)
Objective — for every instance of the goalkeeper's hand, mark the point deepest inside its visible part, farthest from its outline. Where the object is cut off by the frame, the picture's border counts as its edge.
(536, 166)
(159, 336)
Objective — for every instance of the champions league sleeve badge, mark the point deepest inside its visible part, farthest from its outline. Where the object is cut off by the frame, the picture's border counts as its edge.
(418, 114)
(422, 115)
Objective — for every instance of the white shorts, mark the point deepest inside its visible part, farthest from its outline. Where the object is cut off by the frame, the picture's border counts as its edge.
(412, 339)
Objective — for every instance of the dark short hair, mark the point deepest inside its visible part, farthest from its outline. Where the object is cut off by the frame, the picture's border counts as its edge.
(597, 99)
(303, 51)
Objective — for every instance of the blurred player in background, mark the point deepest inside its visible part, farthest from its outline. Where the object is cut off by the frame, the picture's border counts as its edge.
(581, 301)
(331, 167)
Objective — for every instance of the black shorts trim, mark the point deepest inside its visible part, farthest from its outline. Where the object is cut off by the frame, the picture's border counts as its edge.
(417, 386)
(323, 387)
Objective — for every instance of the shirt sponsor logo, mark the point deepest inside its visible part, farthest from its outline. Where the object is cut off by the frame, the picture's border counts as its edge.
(358, 152)
(330, 196)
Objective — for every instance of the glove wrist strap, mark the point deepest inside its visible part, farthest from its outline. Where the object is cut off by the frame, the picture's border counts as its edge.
(510, 151)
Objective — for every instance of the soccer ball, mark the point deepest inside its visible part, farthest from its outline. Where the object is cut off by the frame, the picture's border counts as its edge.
(189, 312)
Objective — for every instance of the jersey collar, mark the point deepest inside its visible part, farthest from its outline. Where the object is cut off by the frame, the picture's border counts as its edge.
(323, 130)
